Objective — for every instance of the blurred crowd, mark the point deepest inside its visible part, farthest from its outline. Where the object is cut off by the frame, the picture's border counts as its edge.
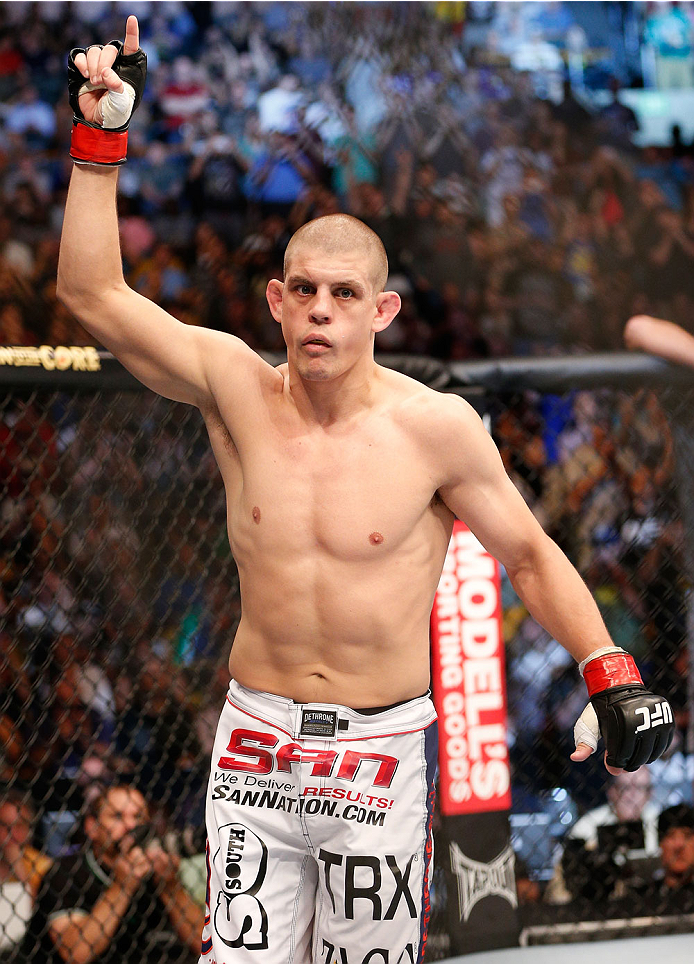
(516, 223)
(115, 625)
(599, 470)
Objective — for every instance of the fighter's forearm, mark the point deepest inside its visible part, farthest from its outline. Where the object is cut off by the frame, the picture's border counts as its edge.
(89, 265)
(555, 595)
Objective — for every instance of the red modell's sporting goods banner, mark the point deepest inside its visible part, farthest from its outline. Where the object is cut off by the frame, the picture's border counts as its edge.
(468, 680)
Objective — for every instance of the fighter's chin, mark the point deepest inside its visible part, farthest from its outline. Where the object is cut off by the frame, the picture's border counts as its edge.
(312, 372)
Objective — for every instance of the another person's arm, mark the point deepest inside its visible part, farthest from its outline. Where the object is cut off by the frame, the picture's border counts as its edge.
(660, 337)
(185, 915)
(81, 937)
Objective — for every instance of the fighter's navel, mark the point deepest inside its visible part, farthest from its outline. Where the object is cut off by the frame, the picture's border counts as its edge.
(375, 538)
(256, 514)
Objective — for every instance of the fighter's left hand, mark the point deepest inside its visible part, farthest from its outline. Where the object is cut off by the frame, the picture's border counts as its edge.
(636, 725)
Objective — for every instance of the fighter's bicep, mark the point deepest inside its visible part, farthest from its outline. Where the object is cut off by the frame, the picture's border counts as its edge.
(477, 489)
(173, 359)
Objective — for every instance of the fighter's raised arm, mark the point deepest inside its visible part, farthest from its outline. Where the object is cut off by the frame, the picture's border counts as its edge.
(176, 360)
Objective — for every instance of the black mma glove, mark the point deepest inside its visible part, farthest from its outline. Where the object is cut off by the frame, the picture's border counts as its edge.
(107, 144)
(636, 725)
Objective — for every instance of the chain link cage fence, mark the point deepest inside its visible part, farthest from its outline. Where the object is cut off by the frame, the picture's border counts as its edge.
(119, 600)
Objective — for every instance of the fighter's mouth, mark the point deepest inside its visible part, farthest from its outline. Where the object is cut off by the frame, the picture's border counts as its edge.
(316, 340)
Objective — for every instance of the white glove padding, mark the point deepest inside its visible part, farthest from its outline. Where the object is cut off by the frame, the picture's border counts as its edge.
(116, 107)
(587, 728)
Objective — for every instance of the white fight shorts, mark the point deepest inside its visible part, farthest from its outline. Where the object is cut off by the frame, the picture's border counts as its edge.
(319, 828)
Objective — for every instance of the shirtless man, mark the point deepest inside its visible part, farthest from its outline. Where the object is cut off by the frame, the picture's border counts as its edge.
(342, 481)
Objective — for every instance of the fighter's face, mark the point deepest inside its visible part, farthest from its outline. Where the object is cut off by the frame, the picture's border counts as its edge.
(329, 311)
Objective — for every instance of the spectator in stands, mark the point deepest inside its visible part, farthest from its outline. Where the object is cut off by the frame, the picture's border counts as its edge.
(215, 184)
(162, 275)
(13, 330)
(669, 30)
(278, 107)
(671, 889)
(616, 122)
(670, 257)
(527, 889)
(161, 175)
(676, 835)
(17, 256)
(154, 730)
(279, 174)
(577, 118)
(628, 803)
(669, 174)
(628, 800)
(119, 899)
(32, 118)
(11, 64)
(22, 869)
(521, 447)
(539, 297)
(183, 97)
(502, 166)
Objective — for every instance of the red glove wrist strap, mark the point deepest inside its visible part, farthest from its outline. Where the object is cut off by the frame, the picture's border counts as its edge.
(613, 669)
(98, 146)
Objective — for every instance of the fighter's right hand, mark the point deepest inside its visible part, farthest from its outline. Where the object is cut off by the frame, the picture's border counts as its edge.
(105, 86)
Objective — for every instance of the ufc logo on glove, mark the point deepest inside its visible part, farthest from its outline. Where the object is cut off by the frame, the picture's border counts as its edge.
(655, 717)
(636, 725)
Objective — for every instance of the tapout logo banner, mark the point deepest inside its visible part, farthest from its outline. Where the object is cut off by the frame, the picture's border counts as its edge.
(468, 680)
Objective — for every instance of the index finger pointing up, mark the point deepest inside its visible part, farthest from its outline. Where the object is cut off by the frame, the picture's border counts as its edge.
(132, 36)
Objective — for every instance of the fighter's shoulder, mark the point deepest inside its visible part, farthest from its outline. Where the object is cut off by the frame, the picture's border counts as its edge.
(233, 367)
(424, 410)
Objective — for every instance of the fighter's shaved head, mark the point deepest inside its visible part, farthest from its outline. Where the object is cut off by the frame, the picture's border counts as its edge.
(341, 233)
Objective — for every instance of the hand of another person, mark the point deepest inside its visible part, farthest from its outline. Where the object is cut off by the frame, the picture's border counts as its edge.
(164, 864)
(131, 867)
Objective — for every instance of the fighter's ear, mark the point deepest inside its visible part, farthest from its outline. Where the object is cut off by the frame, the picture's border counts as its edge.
(273, 293)
(387, 306)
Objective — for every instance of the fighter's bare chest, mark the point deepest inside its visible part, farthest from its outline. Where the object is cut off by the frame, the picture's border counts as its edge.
(343, 492)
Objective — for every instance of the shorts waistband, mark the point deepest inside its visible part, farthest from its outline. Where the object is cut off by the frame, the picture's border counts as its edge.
(406, 716)
(372, 710)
